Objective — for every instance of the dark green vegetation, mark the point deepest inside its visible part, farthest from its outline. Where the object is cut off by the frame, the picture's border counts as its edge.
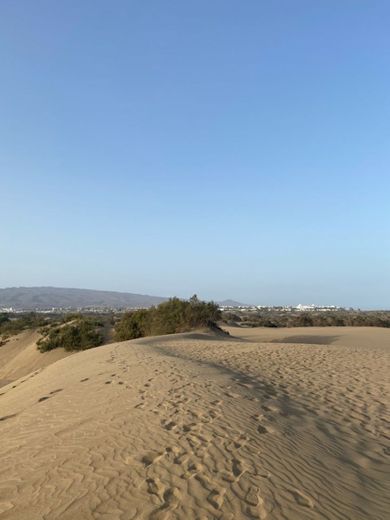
(169, 317)
(11, 325)
(80, 331)
(76, 333)
(280, 318)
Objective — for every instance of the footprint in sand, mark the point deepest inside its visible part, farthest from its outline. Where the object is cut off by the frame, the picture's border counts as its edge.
(151, 458)
(236, 472)
(192, 470)
(256, 507)
(181, 458)
(238, 468)
(216, 498)
(155, 487)
(169, 425)
(232, 395)
(171, 499)
(271, 407)
(302, 499)
(189, 427)
(257, 417)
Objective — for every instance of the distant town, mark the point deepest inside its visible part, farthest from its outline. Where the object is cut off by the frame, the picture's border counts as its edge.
(285, 308)
(237, 308)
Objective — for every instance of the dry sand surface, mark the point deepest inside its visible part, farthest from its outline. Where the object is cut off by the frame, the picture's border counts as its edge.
(20, 356)
(196, 426)
(368, 337)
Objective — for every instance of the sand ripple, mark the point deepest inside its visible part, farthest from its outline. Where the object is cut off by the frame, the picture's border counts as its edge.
(199, 428)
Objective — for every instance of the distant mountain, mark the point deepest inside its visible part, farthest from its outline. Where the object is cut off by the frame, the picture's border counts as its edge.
(35, 298)
(232, 303)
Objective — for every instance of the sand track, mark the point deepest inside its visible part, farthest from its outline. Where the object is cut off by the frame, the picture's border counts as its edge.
(197, 427)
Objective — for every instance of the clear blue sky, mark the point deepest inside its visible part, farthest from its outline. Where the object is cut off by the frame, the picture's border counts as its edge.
(232, 149)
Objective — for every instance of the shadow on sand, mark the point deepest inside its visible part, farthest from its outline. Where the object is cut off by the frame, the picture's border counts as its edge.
(315, 340)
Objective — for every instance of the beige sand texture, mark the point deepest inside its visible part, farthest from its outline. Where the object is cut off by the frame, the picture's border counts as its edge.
(20, 356)
(345, 336)
(195, 426)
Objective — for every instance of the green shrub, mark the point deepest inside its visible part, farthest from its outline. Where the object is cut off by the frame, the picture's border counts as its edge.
(10, 325)
(169, 317)
(81, 334)
(133, 325)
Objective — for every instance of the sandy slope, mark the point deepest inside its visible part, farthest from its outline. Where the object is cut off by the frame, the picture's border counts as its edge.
(20, 356)
(198, 427)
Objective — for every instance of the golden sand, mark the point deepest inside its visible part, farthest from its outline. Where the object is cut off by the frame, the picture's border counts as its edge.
(196, 426)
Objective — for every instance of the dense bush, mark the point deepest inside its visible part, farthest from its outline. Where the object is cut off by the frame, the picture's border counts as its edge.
(79, 334)
(14, 325)
(169, 317)
(135, 324)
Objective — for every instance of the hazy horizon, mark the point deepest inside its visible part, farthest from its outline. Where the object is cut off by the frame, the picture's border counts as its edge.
(229, 150)
(187, 296)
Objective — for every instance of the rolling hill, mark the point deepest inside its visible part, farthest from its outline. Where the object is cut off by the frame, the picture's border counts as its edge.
(35, 298)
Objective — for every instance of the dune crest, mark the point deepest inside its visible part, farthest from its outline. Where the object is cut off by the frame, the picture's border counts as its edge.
(199, 427)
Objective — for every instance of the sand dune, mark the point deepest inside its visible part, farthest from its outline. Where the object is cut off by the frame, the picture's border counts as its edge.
(199, 427)
(20, 356)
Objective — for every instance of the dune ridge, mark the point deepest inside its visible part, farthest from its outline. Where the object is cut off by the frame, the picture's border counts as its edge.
(195, 426)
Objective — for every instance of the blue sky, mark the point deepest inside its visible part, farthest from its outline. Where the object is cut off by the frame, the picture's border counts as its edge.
(225, 148)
